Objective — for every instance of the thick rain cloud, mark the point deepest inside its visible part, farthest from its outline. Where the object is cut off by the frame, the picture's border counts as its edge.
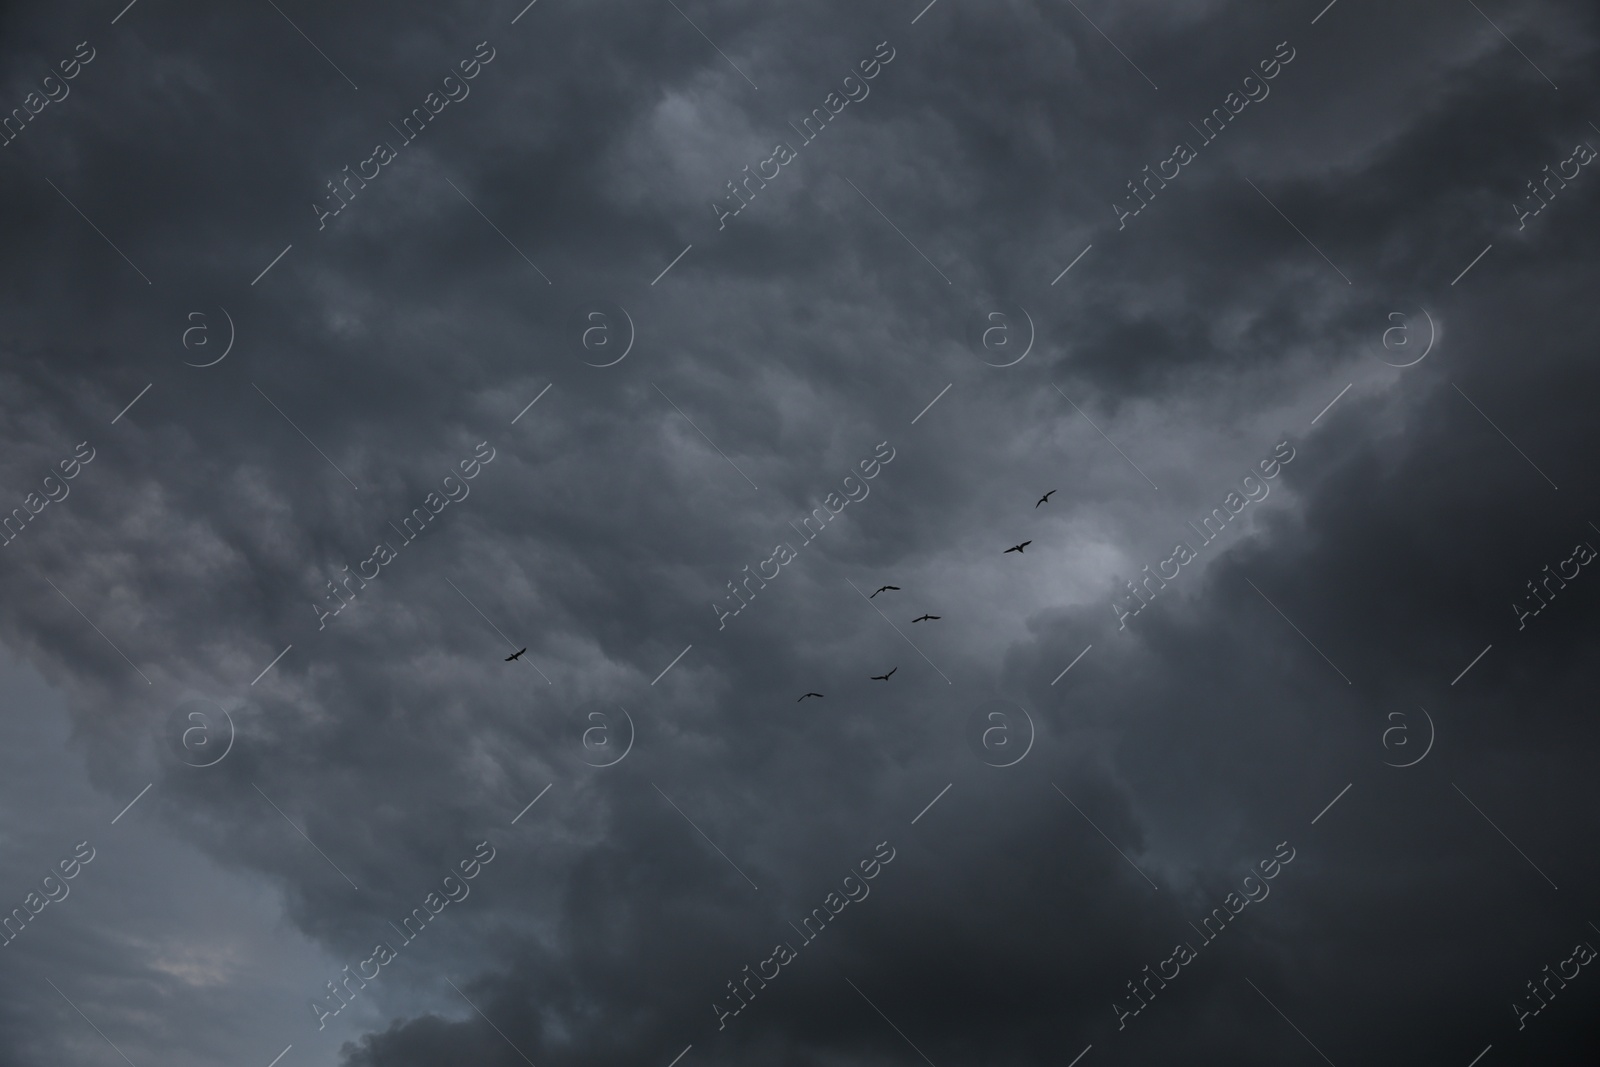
(349, 351)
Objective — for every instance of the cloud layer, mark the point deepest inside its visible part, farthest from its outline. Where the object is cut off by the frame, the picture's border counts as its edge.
(295, 275)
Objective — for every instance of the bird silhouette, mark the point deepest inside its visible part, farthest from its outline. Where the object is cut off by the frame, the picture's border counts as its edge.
(808, 695)
(1047, 496)
(514, 655)
(884, 677)
(881, 588)
(1018, 548)
(928, 617)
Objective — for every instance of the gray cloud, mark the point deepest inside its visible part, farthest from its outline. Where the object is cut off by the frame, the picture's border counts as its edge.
(378, 352)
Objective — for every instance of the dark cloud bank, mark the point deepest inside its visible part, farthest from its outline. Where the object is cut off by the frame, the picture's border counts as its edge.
(1280, 814)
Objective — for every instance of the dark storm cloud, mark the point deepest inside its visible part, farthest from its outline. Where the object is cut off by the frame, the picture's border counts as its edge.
(780, 350)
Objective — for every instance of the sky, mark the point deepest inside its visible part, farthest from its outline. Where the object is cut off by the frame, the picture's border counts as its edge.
(1159, 438)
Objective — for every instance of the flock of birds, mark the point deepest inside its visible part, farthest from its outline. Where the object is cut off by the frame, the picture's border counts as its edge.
(926, 617)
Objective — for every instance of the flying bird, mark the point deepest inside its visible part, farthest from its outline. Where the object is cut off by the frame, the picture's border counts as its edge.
(1047, 496)
(881, 588)
(514, 655)
(809, 695)
(928, 617)
(884, 677)
(1018, 548)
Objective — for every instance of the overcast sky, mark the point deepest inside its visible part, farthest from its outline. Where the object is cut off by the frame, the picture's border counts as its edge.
(654, 338)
